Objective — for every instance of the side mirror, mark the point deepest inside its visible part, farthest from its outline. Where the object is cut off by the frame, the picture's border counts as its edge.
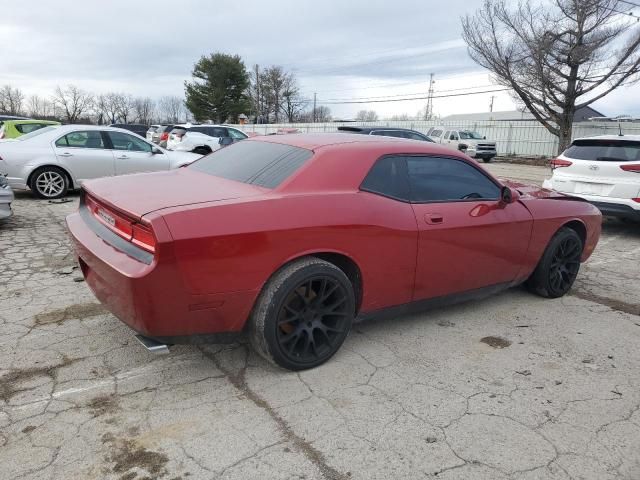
(507, 195)
(484, 138)
(225, 141)
(156, 151)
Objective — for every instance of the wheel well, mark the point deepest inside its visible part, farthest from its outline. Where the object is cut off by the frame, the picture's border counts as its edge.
(350, 269)
(579, 228)
(53, 166)
(203, 147)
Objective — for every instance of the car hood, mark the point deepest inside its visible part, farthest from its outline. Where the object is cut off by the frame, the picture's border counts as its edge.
(534, 191)
(140, 194)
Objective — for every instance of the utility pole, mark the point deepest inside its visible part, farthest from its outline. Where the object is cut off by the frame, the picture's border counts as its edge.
(429, 110)
(258, 101)
(314, 107)
(491, 103)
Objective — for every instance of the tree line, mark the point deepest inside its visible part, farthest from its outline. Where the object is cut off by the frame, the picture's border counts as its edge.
(71, 104)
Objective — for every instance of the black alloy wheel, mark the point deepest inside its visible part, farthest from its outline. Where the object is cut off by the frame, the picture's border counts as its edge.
(313, 319)
(303, 314)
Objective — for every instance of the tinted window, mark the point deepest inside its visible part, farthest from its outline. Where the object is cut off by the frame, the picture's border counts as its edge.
(28, 127)
(435, 179)
(389, 133)
(258, 163)
(388, 177)
(417, 136)
(436, 133)
(84, 139)
(236, 134)
(35, 133)
(604, 150)
(211, 131)
(124, 141)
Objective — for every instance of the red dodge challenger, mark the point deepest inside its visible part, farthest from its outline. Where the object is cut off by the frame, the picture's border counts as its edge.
(291, 238)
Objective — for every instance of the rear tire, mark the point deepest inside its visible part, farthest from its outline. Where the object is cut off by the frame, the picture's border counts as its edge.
(49, 183)
(559, 265)
(202, 150)
(303, 314)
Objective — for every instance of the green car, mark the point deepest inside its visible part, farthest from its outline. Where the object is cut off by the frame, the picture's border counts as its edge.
(16, 128)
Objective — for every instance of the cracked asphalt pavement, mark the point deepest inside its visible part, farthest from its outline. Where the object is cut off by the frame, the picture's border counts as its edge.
(511, 387)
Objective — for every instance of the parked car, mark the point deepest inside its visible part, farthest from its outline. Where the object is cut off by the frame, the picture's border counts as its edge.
(55, 159)
(15, 128)
(467, 141)
(161, 135)
(136, 128)
(281, 236)
(604, 170)
(150, 131)
(6, 197)
(201, 139)
(11, 117)
(387, 132)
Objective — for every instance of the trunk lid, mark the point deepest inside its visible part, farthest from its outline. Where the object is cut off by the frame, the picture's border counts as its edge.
(140, 194)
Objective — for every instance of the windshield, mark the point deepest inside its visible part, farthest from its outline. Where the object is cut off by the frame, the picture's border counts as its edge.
(35, 133)
(604, 150)
(468, 134)
(257, 163)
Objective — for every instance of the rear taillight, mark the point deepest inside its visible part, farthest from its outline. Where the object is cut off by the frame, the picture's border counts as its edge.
(635, 168)
(559, 163)
(137, 233)
(164, 136)
(142, 236)
(637, 200)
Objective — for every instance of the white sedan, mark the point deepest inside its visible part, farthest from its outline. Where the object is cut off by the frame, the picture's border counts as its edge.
(53, 160)
(604, 170)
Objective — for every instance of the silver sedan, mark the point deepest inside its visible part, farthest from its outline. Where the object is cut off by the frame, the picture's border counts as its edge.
(6, 197)
(53, 160)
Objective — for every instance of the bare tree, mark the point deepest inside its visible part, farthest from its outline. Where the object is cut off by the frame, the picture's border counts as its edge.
(401, 117)
(172, 109)
(72, 102)
(293, 104)
(11, 100)
(322, 114)
(39, 107)
(367, 116)
(125, 106)
(145, 109)
(557, 58)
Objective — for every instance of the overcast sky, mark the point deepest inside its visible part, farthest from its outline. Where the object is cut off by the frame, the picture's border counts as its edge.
(342, 50)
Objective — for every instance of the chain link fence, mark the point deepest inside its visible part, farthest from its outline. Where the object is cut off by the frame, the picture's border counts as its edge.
(514, 138)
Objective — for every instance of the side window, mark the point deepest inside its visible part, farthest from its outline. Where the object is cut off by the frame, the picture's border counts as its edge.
(454, 135)
(415, 136)
(236, 134)
(388, 177)
(124, 141)
(28, 127)
(447, 135)
(436, 133)
(435, 179)
(83, 139)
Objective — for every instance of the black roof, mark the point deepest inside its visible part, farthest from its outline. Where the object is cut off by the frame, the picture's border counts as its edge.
(356, 129)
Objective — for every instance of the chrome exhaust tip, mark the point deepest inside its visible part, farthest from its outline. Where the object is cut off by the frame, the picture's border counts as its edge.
(153, 346)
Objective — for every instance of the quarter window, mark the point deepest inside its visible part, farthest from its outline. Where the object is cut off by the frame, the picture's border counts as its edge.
(388, 177)
(123, 141)
(436, 179)
(82, 139)
(236, 134)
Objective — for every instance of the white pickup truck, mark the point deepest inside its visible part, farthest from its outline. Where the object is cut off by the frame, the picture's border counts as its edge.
(467, 141)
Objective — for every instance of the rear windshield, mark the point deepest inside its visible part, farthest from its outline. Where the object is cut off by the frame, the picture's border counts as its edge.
(37, 132)
(604, 150)
(257, 163)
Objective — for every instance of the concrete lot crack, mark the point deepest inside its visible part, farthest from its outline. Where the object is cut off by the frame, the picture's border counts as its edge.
(316, 457)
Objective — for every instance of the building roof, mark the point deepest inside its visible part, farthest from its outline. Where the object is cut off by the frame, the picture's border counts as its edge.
(581, 115)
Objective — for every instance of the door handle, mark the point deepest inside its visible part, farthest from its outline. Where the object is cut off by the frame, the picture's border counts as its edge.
(433, 218)
(123, 157)
(65, 154)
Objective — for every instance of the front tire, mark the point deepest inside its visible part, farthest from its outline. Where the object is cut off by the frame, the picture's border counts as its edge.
(487, 159)
(303, 314)
(49, 183)
(559, 265)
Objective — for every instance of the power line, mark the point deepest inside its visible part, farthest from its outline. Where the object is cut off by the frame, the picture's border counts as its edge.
(411, 94)
(415, 98)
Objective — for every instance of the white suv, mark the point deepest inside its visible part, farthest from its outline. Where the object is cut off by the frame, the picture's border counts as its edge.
(201, 139)
(604, 170)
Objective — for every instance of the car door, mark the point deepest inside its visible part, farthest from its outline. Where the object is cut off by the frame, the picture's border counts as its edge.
(134, 155)
(468, 238)
(84, 154)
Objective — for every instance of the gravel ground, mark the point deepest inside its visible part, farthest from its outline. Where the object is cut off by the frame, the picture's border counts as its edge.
(512, 387)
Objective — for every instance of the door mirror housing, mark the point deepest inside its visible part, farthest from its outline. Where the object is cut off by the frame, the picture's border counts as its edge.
(508, 195)
(156, 151)
(225, 141)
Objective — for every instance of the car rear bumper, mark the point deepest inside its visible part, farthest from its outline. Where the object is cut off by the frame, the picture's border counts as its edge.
(609, 206)
(472, 152)
(6, 197)
(150, 298)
